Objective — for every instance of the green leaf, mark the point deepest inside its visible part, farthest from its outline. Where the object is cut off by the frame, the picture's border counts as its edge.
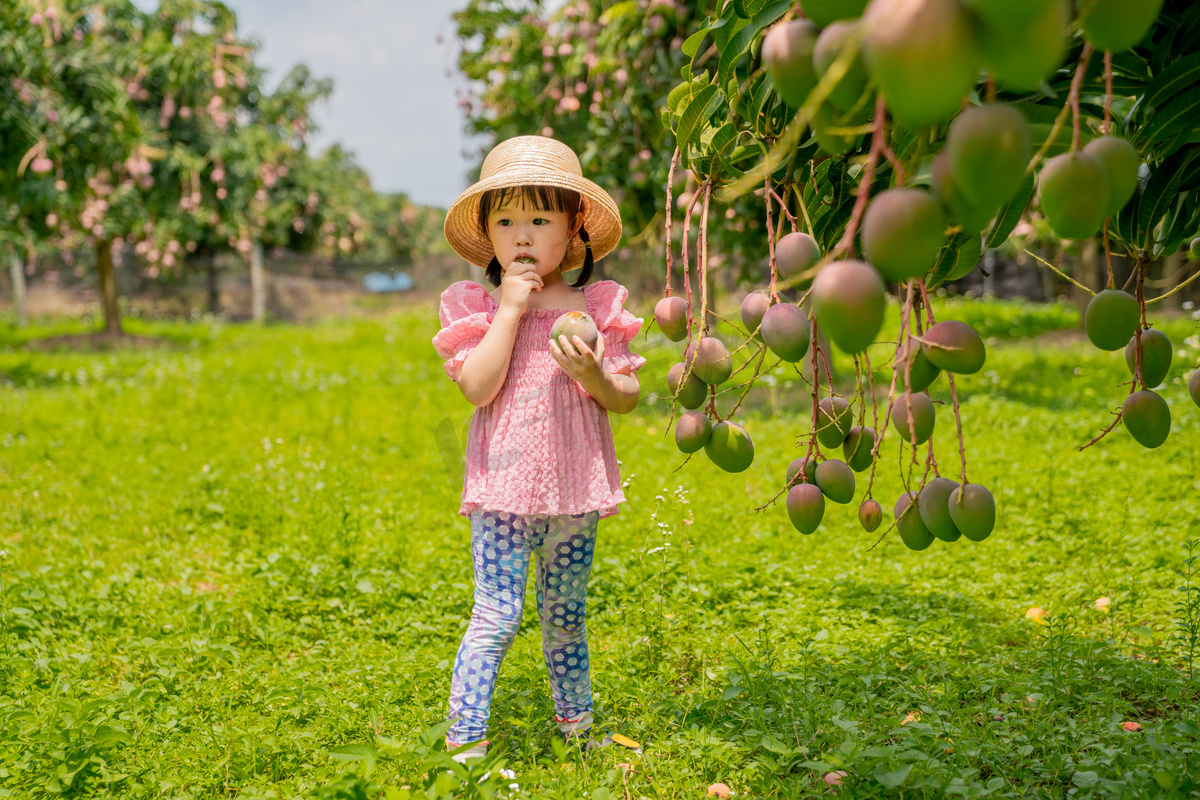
(762, 95)
(893, 778)
(1178, 116)
(728, 25)
(1085, 780)
(740, 42)
(745, 95)
(1174, 79)
(706, 101)
(683, 90)
(1036, 113)
(617, 11)
(819, 766)
(722, 138)
(1010, 215)
(1124, 224)
(947, 260)
(739, 8)
(692, 45)
(1160, 192)
(364, 752)
(1180, 222)
(106, 735)
(775, 746)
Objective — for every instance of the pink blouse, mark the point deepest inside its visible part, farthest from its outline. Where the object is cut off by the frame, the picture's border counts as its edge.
(543, 445)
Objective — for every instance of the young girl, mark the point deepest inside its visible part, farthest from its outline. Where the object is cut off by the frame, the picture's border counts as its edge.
(541, 470)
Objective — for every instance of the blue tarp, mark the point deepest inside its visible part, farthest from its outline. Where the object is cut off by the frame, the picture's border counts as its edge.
(382, 282)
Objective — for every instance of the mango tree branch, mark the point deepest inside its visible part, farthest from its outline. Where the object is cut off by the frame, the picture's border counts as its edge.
(846, 244)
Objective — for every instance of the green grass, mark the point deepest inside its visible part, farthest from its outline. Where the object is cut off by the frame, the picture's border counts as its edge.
(234, 567)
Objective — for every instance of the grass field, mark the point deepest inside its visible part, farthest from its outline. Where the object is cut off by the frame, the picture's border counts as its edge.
(234, 567)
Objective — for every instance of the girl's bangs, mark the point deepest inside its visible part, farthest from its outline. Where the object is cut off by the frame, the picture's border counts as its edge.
(542, 198)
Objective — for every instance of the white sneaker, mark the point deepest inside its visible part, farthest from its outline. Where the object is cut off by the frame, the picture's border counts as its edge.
(504, 773)
(478, 751)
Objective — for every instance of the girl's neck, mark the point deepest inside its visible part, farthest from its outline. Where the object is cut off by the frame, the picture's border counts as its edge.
(553, 280)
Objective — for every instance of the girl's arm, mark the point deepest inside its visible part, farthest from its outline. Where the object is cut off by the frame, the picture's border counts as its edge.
(616, 391)
(482, 374)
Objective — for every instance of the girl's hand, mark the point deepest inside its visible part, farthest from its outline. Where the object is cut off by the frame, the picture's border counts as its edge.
(577, 359)
(519, 280)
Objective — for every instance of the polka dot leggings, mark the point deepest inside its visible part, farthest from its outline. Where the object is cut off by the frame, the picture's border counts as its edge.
(500, 546)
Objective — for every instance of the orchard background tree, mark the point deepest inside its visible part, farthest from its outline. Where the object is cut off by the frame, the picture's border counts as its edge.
(68, 129)
(591, 74)
(155, 129)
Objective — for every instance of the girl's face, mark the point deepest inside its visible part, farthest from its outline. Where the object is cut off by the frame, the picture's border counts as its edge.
(521, 230)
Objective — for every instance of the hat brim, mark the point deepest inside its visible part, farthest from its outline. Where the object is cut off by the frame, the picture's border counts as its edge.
(601, 217)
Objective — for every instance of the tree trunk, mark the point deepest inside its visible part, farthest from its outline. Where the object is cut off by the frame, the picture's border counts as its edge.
(258, 283)
(1172, 267)
(1047, 281)
(108, 286)
(214, 292)
(1088, 273)
(17, 271)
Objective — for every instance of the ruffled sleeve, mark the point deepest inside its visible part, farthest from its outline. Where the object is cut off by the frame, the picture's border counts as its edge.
(466, 313)
(617, 325)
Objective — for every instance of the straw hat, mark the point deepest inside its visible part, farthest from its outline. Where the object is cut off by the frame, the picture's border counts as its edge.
(538, 161)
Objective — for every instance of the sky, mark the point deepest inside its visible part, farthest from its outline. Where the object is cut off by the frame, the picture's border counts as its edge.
(392, 103)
